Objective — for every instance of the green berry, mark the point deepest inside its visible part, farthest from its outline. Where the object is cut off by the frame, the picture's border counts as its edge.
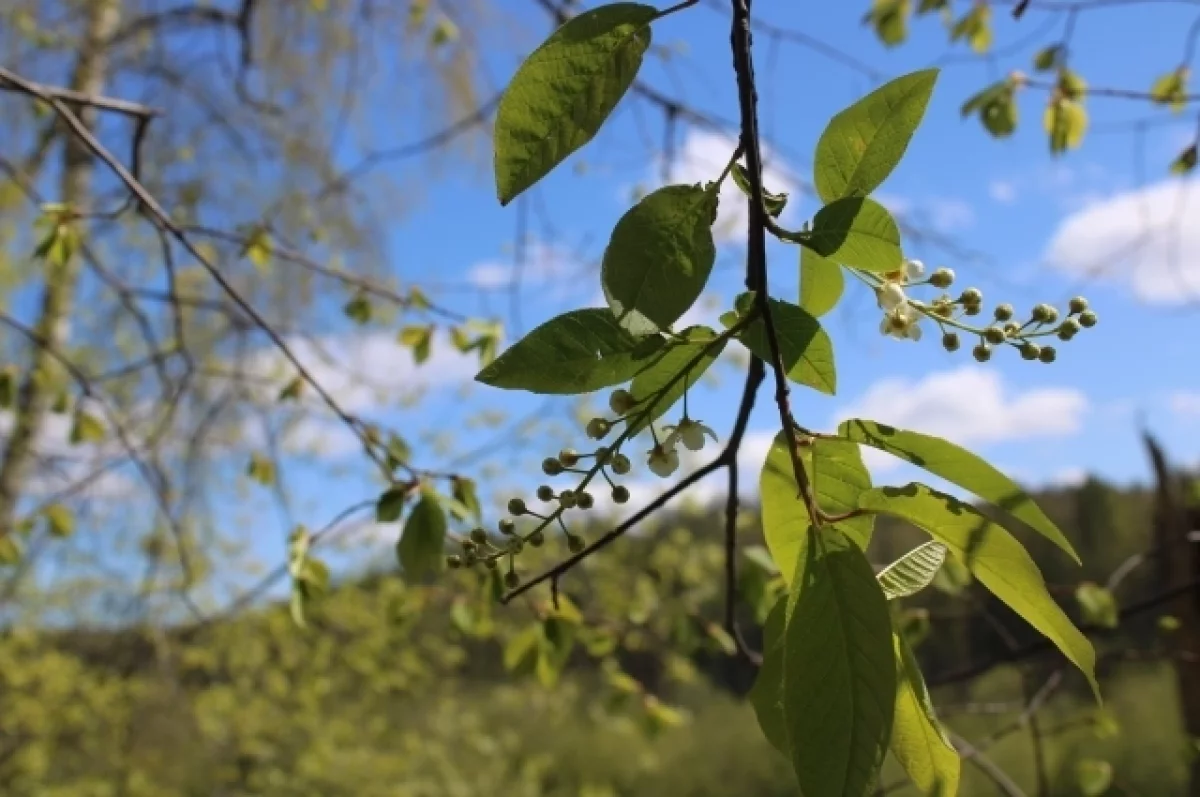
(512, 580)
(567, 498)
(507, 527)
(545, 493)
(982, 352)
(942, 278)
(551, 466)
(971, 296)
(568, 457)
(598, 428)
(620, 464)
(1012, 329)
(584, 500)
(478, 536)
(994, 335)
(574, 543)
(1047, 354)
(1078, 305)
(1044, 314)
(454, 561)
(516, 545)
(1069, 329)
(620, 494)
(468, 547)
(1088, 319)
(971, 309)
(1003, 312)
(470, 559)
(950, 341)
(537, 539)
(1030, 351)
(621, 401)
(490, 564)
(516, 506)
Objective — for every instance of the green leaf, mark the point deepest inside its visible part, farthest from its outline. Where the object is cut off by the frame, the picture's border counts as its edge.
(773, 203)
(565, 90)
(86, 428)
(659, 257)
(390, 505)
(672, 361)
(975, 27)
(838, 478)
(358, 309)
(261, 469)
(8, 386)
(994, 556)
(957, 466)
(1065, 121)
(839, 677)
(928, 6)
(555, 646)
(804, 347)
(912, 572)
(291, 391)
(1094, 776)
(10, 549)
(1048, 58)
(766, 696)
(996, 108)
(1098, 605)
(1171, 90)
(258, 248)
(463, 490)
(576, 352)
(1183, 164)
(862, 144)
(918, 741)
(859, 232)
(419, 549)
(60, 521)
(821, 283)
(890, 20)
(521, 652)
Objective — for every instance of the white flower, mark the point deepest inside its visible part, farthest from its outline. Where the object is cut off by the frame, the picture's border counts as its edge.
(663, 460)
(690, 433)
(901, 323)
(891, 296)
(913, 270)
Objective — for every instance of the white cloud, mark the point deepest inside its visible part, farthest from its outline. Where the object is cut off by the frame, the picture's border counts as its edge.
(701, 159)
(1185, 403)
(1148, 238)
(969, 406)
(1003, 191)
(543, 263)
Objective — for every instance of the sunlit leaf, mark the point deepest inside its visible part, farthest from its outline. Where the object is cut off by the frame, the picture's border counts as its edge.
(918, 741)
(804, 347)
(1093, 776)
(565, 90)
(667, 365)
(858, 232)
(912, 572)
(1066, 122)
(1098, 605)
(766, 696)
(1171, 90)
(774, 203)
(60, 521)
(821, 283)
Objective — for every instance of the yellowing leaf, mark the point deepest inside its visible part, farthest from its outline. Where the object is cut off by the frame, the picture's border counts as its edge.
(1066, 122)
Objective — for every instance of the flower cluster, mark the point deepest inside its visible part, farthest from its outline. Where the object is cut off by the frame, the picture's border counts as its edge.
(902, 315)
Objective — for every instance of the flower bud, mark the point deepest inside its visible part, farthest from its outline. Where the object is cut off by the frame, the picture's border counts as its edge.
(971, 296)
(620, 494)
(942, 278)
(1078, 305)
(1069, 329)
(598, 428)
(982, 352)
(994, 335)
(621, 401)
(620, 464)
(512, 580)
(1088, 319)
(516, 506)
(490, 564)
(537, 539)
(478, 536)
(507, 527)
(454, 561)
(545, 493)
(1012, 329)
(567, 499)
(1030, 351)
(551, 466)
(584, 500)
(950, 341)
(568, 457)
(1045, 314)
(972, 309)
(1003, 312)
(1047, 354)
(468, 547)
(574, 543)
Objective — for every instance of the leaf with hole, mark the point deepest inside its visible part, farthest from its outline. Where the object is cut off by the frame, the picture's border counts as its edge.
(659, 257)
(839, 681)
(576, 352)
(565, 90)
(912, 572)
(993, 556)
(863, 144)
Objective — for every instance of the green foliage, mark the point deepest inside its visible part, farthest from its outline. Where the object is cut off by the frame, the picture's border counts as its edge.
(1093, 776)
(918, 741)
(975, 27)
(564, 91)
(1097, 604)
(1185, 161)
(821, 283)
(997, 108)
(86, 428)
(390, 505)
(838, 673)
(993, 556)
(1066, 122)
(419, 549)
(60, 520)
(767, 694)
(912, 572)
(773, 203)
(699, 349)
(1171, 90)
(889, 18)
(659, 258)
(576, 352)
(261, 469)
(863, 144)
(859, 232)
(804, 346)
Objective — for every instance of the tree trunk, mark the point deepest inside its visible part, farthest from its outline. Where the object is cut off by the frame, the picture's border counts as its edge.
(35, 395)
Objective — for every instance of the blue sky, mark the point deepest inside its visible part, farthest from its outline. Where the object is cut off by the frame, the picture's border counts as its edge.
(1022, 226)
